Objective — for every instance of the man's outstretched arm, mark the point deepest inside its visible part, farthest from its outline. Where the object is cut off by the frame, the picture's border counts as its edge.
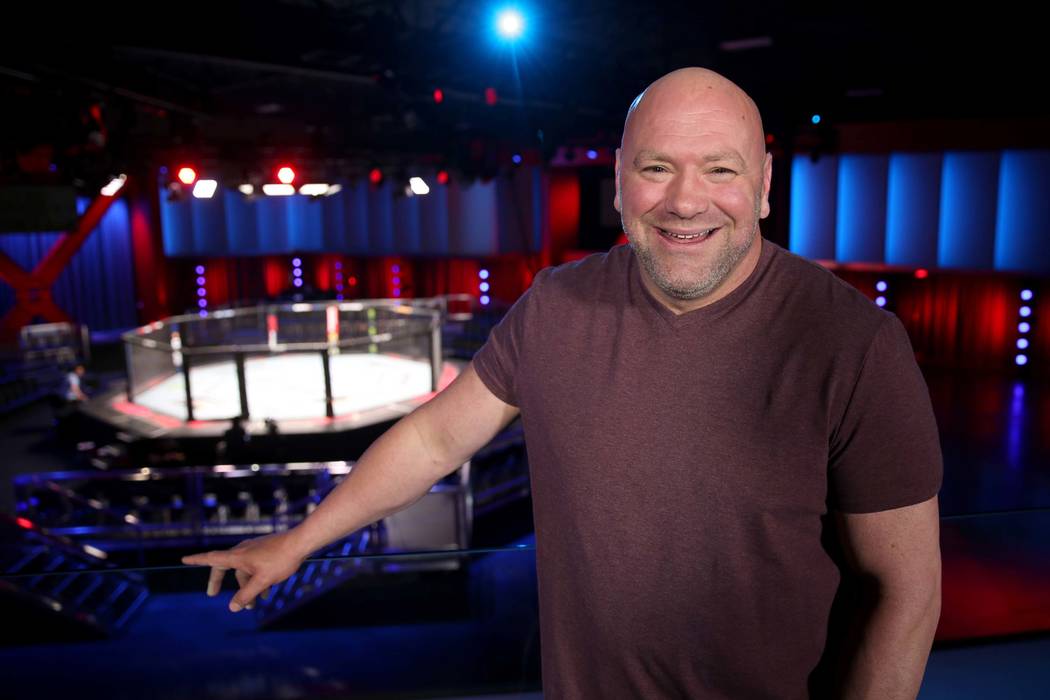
(398, 469)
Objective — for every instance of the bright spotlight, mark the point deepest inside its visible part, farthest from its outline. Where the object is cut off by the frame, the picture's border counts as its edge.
(271, 190)
(285, 175)
(205, 189)
(114, 186)
(187, 175)
(314, 189)
(418, 186)
(510, 24)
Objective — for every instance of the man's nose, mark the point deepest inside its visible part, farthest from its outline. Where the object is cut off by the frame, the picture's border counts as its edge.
(687, 196)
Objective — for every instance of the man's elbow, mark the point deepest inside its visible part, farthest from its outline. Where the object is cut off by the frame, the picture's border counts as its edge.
(916, 598)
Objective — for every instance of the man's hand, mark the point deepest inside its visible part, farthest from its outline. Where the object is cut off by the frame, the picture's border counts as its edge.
(257, 563)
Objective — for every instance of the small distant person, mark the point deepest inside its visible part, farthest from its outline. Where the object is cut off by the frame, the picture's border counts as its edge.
(234, 443)
(74, 394)
(65, 401)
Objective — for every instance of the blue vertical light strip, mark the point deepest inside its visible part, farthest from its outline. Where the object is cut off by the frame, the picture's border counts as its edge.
(1015, 428)
(176, 223)
(381, 219)
(271, 220)
(356, 218)
(209, 225)
(114, 250)
(305, 223)
(242, 232)
(474, 220)
(334, 223)
(813, 201)
(860, 212)
(406, 223)
(966, 230)
(912, 199)
(433, 221)
(1021, 241)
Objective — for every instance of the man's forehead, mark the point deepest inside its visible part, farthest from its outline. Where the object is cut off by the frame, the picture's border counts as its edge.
(691, 103)
(707, 134)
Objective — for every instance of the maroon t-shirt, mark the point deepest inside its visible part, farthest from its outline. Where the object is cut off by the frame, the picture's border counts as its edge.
(681, 466)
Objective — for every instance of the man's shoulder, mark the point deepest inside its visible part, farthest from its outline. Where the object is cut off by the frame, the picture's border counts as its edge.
(591, 277)
(809, 288)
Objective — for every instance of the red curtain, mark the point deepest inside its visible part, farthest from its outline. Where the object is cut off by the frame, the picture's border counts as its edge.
(964, 320)
(955, 320)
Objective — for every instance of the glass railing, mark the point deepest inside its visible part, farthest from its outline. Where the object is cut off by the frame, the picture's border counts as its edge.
(353, 623)
(415, 624)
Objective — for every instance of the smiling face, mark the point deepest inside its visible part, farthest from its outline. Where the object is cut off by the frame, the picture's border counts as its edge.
(692, 182)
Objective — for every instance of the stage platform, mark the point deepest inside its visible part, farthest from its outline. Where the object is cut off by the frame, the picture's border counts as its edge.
(367, 389)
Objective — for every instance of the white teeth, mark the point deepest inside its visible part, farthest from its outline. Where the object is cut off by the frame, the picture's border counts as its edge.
(687, 237)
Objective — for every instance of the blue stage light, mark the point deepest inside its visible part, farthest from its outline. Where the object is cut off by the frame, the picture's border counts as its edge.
(510, 23)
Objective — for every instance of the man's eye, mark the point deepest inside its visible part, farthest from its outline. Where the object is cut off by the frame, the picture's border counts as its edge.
(654, 169)
(722, 171)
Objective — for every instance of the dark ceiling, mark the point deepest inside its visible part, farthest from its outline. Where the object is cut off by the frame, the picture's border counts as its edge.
(93, 87)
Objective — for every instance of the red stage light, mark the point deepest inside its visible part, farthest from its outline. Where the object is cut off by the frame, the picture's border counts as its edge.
(187, 175)
(490, 96)
(352, 281)
(439, 95)
(375, 176)
(285, 175)
(921, 274)
(24, 523)
(442, 177)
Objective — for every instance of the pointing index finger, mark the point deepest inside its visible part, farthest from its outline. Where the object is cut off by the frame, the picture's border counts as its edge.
(225, 560)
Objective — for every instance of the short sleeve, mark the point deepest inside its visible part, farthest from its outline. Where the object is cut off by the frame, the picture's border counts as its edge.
(885, 452)
(498, 362)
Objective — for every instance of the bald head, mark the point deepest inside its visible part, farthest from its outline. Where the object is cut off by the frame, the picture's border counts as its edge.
(692, 182)
(695, 91)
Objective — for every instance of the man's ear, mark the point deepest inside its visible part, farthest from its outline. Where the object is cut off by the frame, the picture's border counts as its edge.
(767, 177)
(616, 198)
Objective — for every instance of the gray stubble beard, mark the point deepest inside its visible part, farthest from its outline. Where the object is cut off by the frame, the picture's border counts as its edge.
(729, 257)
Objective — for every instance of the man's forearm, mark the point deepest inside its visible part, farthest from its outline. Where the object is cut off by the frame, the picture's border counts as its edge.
(893, 650)
(398, 469)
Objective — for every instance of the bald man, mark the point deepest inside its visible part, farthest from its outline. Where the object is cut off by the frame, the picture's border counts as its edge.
(717, 430)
